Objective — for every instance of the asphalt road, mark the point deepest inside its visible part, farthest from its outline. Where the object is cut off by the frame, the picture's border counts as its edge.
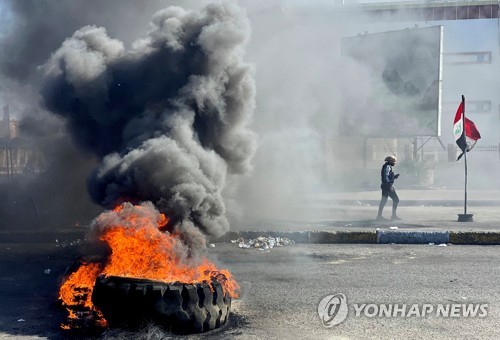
(285, 285)
(282, 289)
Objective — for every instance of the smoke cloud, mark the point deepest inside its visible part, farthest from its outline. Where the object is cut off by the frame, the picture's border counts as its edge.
(32, 30)
(305, 89)
(168, 118)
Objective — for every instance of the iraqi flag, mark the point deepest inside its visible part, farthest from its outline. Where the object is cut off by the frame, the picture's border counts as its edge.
(465, 138)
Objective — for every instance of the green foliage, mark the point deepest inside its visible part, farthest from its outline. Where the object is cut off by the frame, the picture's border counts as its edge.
(414, 171)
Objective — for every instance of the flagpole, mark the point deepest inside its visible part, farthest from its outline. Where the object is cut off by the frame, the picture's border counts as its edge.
(467, 131)
(465, 154)
(464, 217)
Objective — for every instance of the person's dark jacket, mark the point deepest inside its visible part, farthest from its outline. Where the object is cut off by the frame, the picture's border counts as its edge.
(387, 174)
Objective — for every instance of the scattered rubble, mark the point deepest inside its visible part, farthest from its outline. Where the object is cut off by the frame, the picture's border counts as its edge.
(67, 243)
(263, 243)
(439, 245)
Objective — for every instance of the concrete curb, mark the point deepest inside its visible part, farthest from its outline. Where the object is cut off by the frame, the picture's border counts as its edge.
(373, 237)
(475, 237)
(307, 236)
(412, 237)
(318, 236)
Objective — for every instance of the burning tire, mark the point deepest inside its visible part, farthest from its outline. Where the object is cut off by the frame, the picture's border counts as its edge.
(179, 308)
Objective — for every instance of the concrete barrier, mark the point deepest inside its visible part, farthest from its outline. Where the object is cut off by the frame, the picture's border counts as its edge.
(323, 237)
(373, 237)
(475, 237)
(307, 236)
(412, 237)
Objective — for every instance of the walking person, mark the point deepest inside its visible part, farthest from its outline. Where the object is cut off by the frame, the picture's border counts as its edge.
(388, 190)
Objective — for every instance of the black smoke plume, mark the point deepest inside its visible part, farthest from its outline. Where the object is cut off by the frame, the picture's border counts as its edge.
(167, 118)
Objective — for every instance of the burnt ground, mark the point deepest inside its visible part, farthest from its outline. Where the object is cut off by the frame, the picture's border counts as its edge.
(28, 294)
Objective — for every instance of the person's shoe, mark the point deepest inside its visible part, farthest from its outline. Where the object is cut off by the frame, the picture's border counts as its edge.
(381, 218)
(395, 218)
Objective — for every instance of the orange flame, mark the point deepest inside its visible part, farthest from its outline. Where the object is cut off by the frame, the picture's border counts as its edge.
(76, 293)
(139, 250)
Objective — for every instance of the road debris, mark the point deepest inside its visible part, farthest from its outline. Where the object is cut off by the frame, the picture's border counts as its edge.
(439, 245)
(263, 243)
(68, 243)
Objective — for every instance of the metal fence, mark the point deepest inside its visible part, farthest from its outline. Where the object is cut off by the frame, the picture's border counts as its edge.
(481, 153)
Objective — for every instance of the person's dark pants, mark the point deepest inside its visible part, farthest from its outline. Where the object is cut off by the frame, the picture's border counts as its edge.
(388, 191)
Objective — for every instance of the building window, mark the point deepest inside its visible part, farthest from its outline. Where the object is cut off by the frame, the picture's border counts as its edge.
(468, 58)
(471, 106)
